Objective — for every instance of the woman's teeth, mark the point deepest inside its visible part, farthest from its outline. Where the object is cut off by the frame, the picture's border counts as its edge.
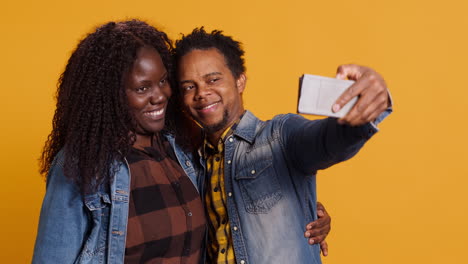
(154, 113)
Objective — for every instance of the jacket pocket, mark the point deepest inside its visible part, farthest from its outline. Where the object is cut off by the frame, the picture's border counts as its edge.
(98, 207)
(258, 183)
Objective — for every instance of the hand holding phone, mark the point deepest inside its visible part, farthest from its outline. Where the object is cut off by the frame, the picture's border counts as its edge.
(318, 94)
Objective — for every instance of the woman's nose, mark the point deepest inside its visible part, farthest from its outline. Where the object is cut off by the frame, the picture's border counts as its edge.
(157, 97)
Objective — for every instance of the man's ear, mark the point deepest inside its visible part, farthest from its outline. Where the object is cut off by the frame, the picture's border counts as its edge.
(240, 82)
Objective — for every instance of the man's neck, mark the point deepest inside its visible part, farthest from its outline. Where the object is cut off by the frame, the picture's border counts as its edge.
(214, 137)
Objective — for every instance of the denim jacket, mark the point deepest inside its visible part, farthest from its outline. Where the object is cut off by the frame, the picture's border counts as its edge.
(90, 229)
(270, 170)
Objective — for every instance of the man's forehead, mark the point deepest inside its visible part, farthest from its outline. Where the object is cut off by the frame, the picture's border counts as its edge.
(202, 63)
(202, 55)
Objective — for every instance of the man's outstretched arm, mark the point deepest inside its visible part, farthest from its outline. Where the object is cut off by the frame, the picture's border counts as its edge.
(318, 144)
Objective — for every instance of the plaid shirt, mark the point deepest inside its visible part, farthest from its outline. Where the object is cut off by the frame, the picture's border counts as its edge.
(220, 247)
(166, 221)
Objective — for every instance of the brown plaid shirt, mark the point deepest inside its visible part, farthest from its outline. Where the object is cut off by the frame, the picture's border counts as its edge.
(166, 221)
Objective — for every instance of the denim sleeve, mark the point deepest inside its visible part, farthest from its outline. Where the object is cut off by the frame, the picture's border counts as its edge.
(63, 222)
(318, 144)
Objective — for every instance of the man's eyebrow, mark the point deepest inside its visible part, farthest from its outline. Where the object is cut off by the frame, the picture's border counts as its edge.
(211, 74)
(185, 81)
(204, 76)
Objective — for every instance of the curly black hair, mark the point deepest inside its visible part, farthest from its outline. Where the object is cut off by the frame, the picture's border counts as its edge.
(201, 40)
(92, 123)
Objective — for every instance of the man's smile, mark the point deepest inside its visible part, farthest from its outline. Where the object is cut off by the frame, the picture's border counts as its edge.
(204, 109)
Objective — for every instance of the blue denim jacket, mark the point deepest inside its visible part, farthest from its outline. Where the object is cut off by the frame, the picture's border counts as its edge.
(90, 229)
(270, 170)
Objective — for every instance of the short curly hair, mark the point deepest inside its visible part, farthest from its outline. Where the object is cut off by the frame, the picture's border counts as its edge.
(201, 40)
(92, 123)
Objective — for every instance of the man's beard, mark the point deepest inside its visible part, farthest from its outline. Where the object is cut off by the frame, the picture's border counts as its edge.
(210, 129)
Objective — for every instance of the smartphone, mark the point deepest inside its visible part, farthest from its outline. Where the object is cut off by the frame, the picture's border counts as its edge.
(318, 94)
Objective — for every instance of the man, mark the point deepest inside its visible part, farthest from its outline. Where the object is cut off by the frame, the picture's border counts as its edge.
(259, 185)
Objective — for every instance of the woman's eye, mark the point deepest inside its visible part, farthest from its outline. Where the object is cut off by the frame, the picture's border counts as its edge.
(163, 81)
(141, 89)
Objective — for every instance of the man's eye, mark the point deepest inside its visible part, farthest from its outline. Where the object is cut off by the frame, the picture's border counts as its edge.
(187, 88)
(163, 81)
(214, 80)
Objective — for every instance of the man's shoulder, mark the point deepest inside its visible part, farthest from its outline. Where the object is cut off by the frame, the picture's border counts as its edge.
(278, 122)
(252, 119)
(252, 127)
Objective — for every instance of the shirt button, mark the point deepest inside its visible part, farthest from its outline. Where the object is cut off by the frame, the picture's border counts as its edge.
(189, 214)
(223, 250)
(253, 172)
(231, 139)
(229, 161)
(215, 189)
(242, 262)
(187, 163)
(230, 194)
(217, 158)
(235, 228)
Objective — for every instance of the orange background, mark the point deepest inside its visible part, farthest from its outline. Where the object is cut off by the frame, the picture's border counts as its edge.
(403, 199)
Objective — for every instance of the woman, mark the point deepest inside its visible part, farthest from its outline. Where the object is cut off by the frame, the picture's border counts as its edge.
(115, 190)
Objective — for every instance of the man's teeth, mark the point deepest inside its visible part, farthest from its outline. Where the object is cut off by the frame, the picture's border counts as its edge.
(155, 113)
(209, 106)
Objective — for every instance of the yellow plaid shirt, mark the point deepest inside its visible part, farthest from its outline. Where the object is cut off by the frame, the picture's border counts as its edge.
(220, 248)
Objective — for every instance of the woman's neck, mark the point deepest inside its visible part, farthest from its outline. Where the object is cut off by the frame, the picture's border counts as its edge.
(143, 141)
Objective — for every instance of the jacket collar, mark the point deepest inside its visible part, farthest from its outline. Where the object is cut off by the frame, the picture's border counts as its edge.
(247, 127)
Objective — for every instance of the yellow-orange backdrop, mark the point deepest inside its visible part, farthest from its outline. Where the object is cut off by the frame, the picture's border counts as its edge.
(403, 199)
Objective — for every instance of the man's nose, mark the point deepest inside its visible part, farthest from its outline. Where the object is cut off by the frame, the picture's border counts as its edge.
(202, 91)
